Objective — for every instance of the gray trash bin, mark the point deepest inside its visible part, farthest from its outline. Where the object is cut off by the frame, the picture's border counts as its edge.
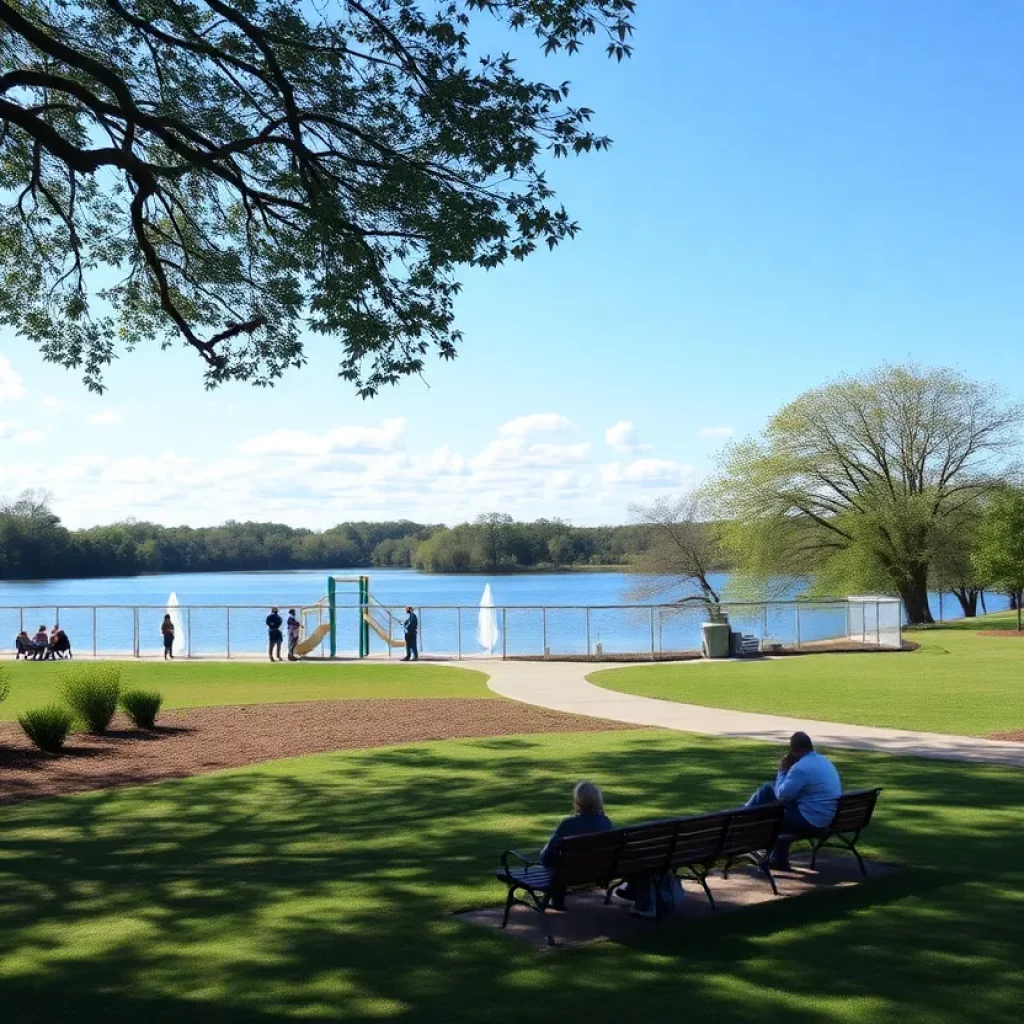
(715, 639)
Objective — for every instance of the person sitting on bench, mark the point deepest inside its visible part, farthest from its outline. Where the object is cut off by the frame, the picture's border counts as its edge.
(589, 816)
(60, 643)
(22, 646)
(809, 785)
(40, 643)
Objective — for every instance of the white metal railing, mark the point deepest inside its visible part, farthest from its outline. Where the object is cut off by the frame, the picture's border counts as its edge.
(586, 631)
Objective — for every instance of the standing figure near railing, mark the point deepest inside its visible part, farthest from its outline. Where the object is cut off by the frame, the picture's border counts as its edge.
(167, 631)
(276, 638)
(411, 626)
(294, 626)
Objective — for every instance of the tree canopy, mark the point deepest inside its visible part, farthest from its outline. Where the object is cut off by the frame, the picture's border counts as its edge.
(859, 483)
(999, 551)
(228, 173)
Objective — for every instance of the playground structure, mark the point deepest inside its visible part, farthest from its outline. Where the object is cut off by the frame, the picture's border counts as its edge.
(372, 615)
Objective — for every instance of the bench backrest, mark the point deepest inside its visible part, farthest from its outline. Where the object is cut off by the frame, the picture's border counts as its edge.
(854, 810)
(589, 858)
(752, 828)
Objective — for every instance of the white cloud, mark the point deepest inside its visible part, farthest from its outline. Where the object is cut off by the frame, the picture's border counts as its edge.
(535, 423)
(515, 452)
(53, 404)
(648, 473)
(388, 437)
(16, 432)
(12, 387)
(106, 418)
(623, 437)
(715, 432)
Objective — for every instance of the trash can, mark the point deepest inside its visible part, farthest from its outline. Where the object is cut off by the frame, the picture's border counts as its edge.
(715, 639)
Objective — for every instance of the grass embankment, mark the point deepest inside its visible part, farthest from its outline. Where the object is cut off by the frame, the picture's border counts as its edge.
(207, 684)
(958, 682)
(323, 888)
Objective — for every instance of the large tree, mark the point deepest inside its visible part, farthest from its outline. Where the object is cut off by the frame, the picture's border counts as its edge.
(228, 173)
(857, 483)
(999, 551)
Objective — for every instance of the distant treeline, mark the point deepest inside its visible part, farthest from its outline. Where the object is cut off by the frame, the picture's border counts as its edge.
(34, 545)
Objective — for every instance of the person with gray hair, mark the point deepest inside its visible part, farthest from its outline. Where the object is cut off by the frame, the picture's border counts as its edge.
(588, 817)
(809, 785)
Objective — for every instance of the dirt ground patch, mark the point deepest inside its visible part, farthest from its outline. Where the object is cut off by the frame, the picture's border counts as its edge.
(1016, 736)
(197, 740)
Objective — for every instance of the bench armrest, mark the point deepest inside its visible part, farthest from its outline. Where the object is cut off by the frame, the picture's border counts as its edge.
(521, 857)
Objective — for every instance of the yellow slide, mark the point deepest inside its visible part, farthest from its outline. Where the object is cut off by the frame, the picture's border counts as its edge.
(303, 647)
(381, 632)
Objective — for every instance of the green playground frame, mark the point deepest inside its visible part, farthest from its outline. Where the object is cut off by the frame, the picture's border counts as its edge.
(363, 584)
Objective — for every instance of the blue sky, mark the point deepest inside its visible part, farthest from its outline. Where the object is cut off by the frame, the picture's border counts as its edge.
(796, 190)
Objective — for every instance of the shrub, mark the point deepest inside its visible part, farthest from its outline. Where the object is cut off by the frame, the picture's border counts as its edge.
(141, 707)
(91, 691)
(47, 727)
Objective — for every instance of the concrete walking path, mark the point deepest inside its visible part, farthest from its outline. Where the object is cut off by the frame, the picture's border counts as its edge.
(562, 686)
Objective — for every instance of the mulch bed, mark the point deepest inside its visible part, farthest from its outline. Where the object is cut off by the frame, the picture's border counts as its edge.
(1017, 736)
(999, 632)
(198, 740)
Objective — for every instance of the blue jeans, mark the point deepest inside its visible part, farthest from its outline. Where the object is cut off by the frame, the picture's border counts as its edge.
(793, 822)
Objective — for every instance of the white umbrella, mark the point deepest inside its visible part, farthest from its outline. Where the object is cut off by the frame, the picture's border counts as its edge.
(487, 622)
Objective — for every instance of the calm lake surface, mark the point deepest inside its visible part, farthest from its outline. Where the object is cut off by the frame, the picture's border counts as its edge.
(563, 628)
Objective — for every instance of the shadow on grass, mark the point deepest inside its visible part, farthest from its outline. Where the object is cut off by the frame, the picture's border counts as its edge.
(324, 887)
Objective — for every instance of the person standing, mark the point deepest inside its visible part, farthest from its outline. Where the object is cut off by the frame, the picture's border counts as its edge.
(294, 627)
(412, 628)
(274, 623)
(167, 632)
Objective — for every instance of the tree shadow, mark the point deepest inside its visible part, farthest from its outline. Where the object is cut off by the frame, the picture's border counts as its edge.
(326, 886)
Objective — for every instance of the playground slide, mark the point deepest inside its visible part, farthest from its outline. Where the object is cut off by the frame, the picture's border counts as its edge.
(382, 633)
(303, 647)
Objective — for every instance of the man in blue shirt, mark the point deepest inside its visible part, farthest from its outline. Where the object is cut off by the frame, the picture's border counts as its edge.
(809, 785)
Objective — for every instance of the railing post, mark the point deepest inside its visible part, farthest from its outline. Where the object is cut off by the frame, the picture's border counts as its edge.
(652, 633)
(94, 631)
(544, 631)
(504, 633)
(764, 620)
(798, 625)
(878, 627)
(458, 618)
(188, 631)
(420, 638)
(135, 631)
(588, 631)
(227, 632)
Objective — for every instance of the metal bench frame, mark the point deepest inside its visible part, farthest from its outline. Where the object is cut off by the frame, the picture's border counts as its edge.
(845, 835)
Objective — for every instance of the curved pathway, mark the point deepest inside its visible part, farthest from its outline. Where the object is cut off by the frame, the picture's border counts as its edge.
(562, 686)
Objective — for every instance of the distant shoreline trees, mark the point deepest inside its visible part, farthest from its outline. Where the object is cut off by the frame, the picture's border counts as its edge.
(35, 545)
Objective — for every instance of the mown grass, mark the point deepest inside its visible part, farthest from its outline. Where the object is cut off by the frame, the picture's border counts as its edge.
(204, 684)
(323, 888)
(958, 682)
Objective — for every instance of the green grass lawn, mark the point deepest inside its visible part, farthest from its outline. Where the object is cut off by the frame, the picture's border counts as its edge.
(322, 889)
(957, 682)
(203, 684)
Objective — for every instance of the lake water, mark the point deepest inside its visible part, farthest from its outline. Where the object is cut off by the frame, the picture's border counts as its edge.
(130, 607)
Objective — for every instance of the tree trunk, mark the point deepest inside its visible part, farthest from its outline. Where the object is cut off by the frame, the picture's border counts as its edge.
(981, 596)
(914, 591)
(968, 601)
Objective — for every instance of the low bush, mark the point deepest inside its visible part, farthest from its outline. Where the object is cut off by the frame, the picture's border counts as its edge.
(47, 727)
(91, 691)
(141, 707)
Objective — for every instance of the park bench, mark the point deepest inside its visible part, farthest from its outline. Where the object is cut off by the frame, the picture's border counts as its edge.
(690, 847)
(853, 814)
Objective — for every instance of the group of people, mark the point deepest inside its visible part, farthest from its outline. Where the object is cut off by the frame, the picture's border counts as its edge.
(43, 645)
(807, 783)
(275, 634)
